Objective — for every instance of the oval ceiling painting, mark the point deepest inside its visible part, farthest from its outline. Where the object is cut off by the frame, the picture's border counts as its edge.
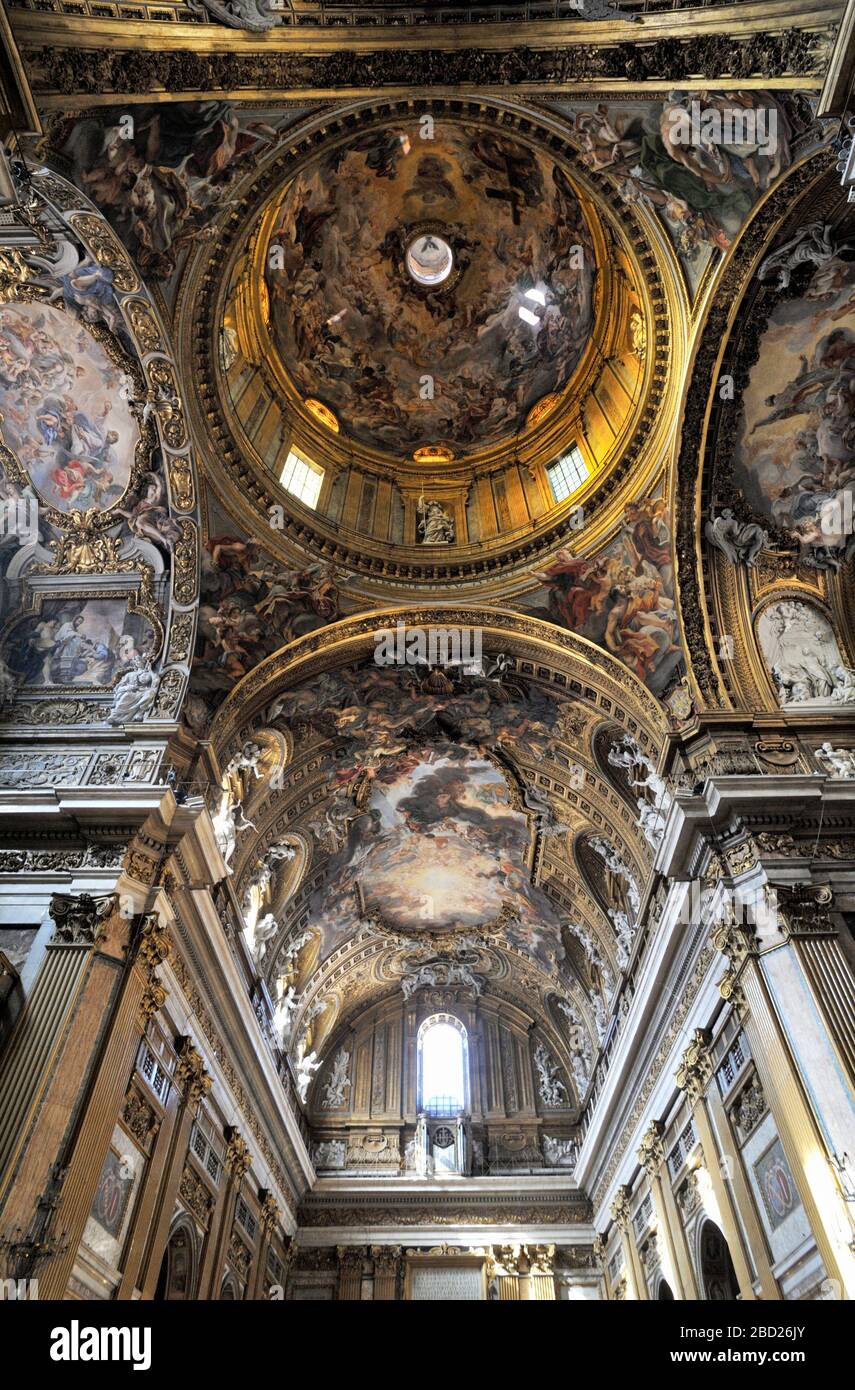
(403, 356)
(62, 412)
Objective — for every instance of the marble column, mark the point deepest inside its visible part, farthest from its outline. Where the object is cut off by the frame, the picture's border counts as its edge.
(694, 1076)
(677, 1264)
(620, 1212)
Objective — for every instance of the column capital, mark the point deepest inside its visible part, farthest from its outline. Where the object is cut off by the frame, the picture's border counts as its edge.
(730, 989)
(271, 1213)
(803, 909)
(154, 944)
(620, 1207)
(599, 1249)
(191, 1078)
(80, 920)
(651, 1154)
(351, 1257)
(695, 1070)
(387, 1259)
(237, 1158)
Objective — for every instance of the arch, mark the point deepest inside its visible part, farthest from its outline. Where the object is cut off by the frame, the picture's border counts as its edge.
(228, 1290)
(179, 1268)
(443, 1074)
(717, 1275)
(664, 1292)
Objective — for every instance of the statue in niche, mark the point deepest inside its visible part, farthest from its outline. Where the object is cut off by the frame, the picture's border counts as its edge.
(286, 1007)
(435, 526)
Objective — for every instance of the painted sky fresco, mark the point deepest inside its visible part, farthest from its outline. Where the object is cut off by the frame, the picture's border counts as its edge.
(795, 454)
(420, 827)
(353, 330)
(161, 176)
(702, 192)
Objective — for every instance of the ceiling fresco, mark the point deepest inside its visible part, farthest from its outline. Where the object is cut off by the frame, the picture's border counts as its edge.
(701, 189)
(405, 366)
(160, 174)
(622, 597)
(794, 459)
(425, 829)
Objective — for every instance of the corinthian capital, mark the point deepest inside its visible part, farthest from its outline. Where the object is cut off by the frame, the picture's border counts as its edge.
(696, 1069)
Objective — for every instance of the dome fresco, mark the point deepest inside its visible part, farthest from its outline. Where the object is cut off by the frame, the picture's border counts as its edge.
(404, 364)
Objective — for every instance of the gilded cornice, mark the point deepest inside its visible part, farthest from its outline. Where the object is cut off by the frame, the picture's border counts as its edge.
(181, 60)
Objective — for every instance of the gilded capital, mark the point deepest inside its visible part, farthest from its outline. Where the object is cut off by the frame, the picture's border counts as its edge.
(79, 921)
(191, 1078)
(237, 1157)
(620, 1207)
(271, 1213)
(696, 1069)
(651, 1154)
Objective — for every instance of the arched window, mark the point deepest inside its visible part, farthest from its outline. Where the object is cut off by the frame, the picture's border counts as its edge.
(443, 1066)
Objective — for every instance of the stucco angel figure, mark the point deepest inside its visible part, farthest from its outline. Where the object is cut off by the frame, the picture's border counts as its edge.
(134, 694)
(740, 541)
(812, 244)
(306, 1068)
(265, 930)
(435, 527)
(840, 761)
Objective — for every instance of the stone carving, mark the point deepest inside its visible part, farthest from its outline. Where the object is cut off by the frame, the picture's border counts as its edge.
(228, 823)
(654, 799)
(559, 1153)
(840, 761)
(247, 760)
(42, 769)
(546, 821)
(135, 693)
(139, 1117)
(191, 1076)
(600, 969)
(306, 1068)
(439, 972)
(549, 1084)
(331, 1153)
(749, 1109)
(338, 1082)
(435, 526)
(614, 861)
(266, 929)
(801, 650)
(740, 541)
(286, 1007)
(580, 1045)
(373, 1150)
(624, 933)
(195, 1195)
(13, 861)
(80, 921)
(813, 244)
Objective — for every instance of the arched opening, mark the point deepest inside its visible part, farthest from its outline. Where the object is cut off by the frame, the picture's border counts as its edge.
(443, 1066)
(228, 1292)
(664, 1293)
(718, 1277)
(177, 1278)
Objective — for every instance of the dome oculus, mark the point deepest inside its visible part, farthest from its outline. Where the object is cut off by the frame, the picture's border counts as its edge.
(429, 259)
